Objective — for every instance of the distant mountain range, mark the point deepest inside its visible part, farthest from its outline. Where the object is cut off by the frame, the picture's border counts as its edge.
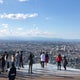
(38, 39)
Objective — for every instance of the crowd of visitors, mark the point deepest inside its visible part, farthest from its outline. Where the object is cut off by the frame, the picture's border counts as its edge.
(15, 61)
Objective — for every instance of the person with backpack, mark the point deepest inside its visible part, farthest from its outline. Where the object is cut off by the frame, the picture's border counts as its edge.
(12, 72)
(59, 60)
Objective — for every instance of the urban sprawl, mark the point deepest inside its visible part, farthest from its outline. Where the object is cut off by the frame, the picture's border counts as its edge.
(69, 49)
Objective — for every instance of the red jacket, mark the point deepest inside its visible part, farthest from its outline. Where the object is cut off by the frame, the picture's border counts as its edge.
(59, 59)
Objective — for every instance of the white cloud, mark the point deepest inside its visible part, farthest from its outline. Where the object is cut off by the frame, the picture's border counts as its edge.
(23, 0)
(19, 29)
(33, 15)
(4, 32)
(5, 25)
(35, 32)
(1, 1)
(18, 16)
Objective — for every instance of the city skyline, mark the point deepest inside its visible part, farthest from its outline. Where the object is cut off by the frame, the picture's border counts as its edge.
(40, 18)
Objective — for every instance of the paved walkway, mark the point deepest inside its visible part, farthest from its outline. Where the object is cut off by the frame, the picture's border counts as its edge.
(50, 72)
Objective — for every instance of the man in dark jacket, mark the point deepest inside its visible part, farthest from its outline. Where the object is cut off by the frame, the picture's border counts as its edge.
(12, 73)
(30, 60)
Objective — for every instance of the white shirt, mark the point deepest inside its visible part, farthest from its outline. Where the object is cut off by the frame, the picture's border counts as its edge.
(42, 57)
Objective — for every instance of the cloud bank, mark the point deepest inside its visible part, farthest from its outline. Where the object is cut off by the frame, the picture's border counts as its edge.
(18, 16)
(20, 32)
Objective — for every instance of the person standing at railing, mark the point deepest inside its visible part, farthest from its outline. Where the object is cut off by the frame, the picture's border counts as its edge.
(21, 59)
(18, 60)
(65, 62)
(59, 60)
(46, 58)
(30, 61)
(3, 62)
(42, 56)
(13, 59)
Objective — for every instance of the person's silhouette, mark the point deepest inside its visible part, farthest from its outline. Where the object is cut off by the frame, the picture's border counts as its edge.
(12, 73)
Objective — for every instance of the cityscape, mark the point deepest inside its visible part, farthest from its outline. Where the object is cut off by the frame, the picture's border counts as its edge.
(69, 49)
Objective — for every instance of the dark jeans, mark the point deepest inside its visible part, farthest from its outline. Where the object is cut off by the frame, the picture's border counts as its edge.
(42, 64)
(21, 64)
(59, 65)
(30, 68)
(65, 64)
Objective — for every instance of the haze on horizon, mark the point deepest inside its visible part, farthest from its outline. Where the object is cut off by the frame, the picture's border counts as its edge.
(40, 18)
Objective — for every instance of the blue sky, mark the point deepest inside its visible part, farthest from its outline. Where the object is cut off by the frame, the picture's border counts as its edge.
(40, 18)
